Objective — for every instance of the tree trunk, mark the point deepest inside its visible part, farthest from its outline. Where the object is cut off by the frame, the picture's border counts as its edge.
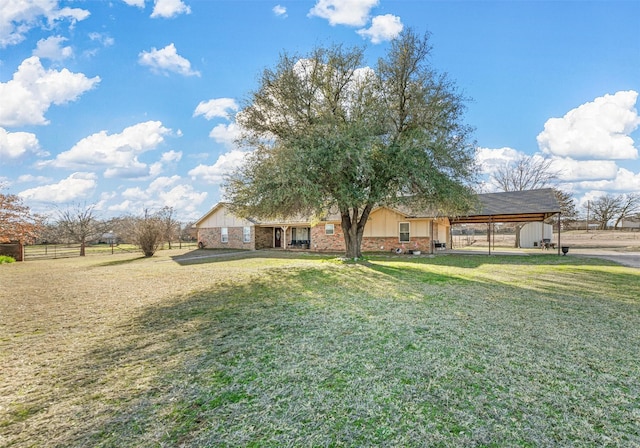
(518, 229)
(82, 244)
(351, 240)
(353, 246)
(353, 229)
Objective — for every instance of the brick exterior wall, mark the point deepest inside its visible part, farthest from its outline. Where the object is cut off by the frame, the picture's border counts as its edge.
(212, 238)
(322, 242)
(263, 237)
(13, 250)
(390, 244)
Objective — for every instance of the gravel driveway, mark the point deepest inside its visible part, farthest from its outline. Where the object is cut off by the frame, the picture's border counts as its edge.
(625, 258)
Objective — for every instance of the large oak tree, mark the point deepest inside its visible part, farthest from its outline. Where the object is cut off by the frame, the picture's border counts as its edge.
(328, 133)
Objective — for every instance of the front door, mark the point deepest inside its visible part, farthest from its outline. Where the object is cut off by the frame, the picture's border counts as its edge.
(277, 237)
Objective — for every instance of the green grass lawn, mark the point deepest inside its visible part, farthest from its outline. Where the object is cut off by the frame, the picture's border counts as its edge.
(297, 350)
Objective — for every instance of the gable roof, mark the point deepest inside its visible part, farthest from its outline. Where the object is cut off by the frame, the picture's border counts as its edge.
(512, 206)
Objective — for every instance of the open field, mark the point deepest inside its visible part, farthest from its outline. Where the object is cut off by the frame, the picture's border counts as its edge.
(277, 349)
(52, 251)
(602, 239)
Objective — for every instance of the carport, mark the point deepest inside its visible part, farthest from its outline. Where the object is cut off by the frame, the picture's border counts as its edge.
(513, 207)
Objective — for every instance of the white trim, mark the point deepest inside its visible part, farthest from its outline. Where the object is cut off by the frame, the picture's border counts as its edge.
(400, 232)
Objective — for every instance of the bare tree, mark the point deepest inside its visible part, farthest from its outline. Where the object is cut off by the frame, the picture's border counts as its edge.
(568, 210)
(148, 232)
(170, 226)
(630, 204)
(605, 208)
(187, 232)
(80, 224)
(525, 173)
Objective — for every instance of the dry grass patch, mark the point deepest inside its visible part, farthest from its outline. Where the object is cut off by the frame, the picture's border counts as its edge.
(284, 350)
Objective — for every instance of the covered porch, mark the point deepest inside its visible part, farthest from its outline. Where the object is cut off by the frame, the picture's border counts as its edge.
(284, 236)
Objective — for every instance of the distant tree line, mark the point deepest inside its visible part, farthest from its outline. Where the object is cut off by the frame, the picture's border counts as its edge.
(607, 209)
(80, 224)
(149, 230)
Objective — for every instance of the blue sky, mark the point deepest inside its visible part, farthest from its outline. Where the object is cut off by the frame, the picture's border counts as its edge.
(129, 104)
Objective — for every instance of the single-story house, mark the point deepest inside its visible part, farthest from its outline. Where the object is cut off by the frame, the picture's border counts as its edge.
(388, 229)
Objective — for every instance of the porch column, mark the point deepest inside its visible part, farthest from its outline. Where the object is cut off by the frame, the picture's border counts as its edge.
(284, 237)
(489, 235)
(559, 230)
(431, 243)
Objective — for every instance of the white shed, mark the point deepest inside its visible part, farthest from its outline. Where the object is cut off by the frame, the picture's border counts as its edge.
(534, 232)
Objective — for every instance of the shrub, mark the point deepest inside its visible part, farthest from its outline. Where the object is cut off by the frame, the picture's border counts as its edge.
(6, 259)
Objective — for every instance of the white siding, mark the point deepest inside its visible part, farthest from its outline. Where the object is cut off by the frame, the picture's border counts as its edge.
(384, 223)
(222, 217)
(533, 232)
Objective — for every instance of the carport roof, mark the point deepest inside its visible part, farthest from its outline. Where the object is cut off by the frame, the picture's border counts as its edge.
(512, 206)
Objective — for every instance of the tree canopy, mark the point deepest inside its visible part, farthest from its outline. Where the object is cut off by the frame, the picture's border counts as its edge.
(328, 133)
(79, 223)
(525, 173)
(616, 208)
(17, 223)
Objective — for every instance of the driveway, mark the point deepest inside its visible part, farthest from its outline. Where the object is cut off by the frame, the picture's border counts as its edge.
(631, 259)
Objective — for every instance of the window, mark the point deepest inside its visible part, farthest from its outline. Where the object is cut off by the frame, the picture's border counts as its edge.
(246, 234)
(404, 232)
(224, 235)
(328, 229)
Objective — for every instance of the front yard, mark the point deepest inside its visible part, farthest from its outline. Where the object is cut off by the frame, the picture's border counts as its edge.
(277, 349)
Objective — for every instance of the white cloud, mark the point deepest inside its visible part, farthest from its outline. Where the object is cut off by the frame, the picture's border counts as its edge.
(171, 156)
(166, 60)
(226, 163)
(489, 160)
(570, 170)
(280, 11)
(31, 92)
(226, 134)
(51, 48)
(386, 27)
(163, 192)
(169, 8)
(18, 17)
(117, 153)
(218, 107)
(599, 129)
(624, 181)
(76, 186)
(104, 39)
(16, 144)
(24, 178)
(344, 12)
(138, 3)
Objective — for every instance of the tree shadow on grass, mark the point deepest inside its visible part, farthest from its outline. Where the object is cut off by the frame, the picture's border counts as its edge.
(200, 256)
(119, 262)
(346, 354)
